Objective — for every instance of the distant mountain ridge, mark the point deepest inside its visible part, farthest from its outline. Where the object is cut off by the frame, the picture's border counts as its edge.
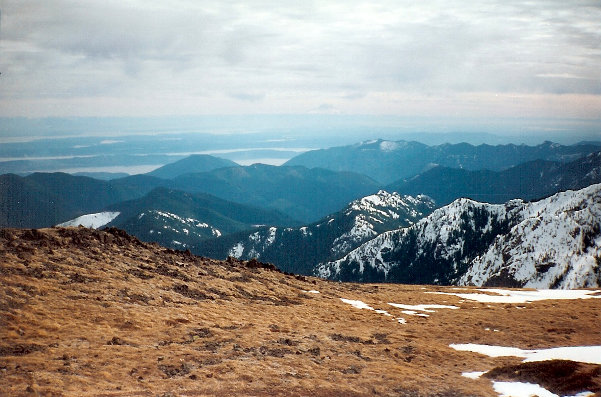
(179, 219)
(531, 180)
(46, 199)
(301, 193)
(191, 164)
(43, 200)
(552, 243)
(389, 161)
(299, 249)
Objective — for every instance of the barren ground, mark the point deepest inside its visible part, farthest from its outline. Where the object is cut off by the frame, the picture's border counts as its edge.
(91, 313)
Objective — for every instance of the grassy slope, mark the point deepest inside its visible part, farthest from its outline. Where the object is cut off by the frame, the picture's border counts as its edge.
(91, 313)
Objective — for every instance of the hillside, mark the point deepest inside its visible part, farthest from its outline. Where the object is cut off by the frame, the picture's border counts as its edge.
(528, 181)
(389, 161)
(191, 164)
(178, 219)
(46, 199)
(98, 313)
(329, 238)
(301, 193)
(552, 243)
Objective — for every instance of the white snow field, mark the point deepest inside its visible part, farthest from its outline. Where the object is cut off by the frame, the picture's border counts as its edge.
(93, 221)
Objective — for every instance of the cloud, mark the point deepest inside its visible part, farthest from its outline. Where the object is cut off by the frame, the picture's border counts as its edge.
(325, 108)
(264, 56)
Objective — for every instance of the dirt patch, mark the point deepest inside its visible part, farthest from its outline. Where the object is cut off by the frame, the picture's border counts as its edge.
(191, 293)
(171, 371)
(274, 352)
(116, 341)
(19, 350)
(345, 338)
(140, 274)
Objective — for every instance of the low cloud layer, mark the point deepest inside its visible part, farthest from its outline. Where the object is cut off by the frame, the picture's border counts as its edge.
(490, 58)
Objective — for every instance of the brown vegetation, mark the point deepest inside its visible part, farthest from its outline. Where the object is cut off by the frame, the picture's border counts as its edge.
(99, 313)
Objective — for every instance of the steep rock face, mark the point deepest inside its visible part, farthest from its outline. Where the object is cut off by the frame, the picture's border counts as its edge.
(299, 249)
(552, 243)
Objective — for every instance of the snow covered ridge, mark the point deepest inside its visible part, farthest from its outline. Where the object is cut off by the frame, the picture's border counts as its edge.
(334, 235)
(93, 221)
(372, 213)
(178, 224)
(557, 244)
(552, 243)
(386, 203)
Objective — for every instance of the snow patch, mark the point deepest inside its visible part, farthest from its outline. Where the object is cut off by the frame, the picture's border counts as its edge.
(423, 308)
(357, 304)
(524, 296)
(305, 231)
(583, 354)
(362, 305)
(236, 251)
(388, 146)
(414, 313)
(521, 389)
(473, 375)
(93, 221)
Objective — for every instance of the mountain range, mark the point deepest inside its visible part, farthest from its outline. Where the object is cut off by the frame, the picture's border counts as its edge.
(389, 161)
(42, 199)
(179, 219)
(328, 238)
(531, 180)
(551, 243)
(46, 199)
(217, 209)
(301, 193)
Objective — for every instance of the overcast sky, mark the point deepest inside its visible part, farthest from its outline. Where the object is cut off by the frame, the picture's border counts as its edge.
(539, 58)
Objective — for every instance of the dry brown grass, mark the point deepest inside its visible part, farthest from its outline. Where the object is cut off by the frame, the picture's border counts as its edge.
(89, 313)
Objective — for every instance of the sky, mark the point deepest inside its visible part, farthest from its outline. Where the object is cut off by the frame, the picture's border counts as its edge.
(460, 59)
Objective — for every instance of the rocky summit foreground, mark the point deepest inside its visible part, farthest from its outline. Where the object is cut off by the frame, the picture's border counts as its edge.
(99, 313)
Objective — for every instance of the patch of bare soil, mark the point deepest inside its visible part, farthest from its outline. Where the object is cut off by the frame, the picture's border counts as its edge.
(99, 313)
